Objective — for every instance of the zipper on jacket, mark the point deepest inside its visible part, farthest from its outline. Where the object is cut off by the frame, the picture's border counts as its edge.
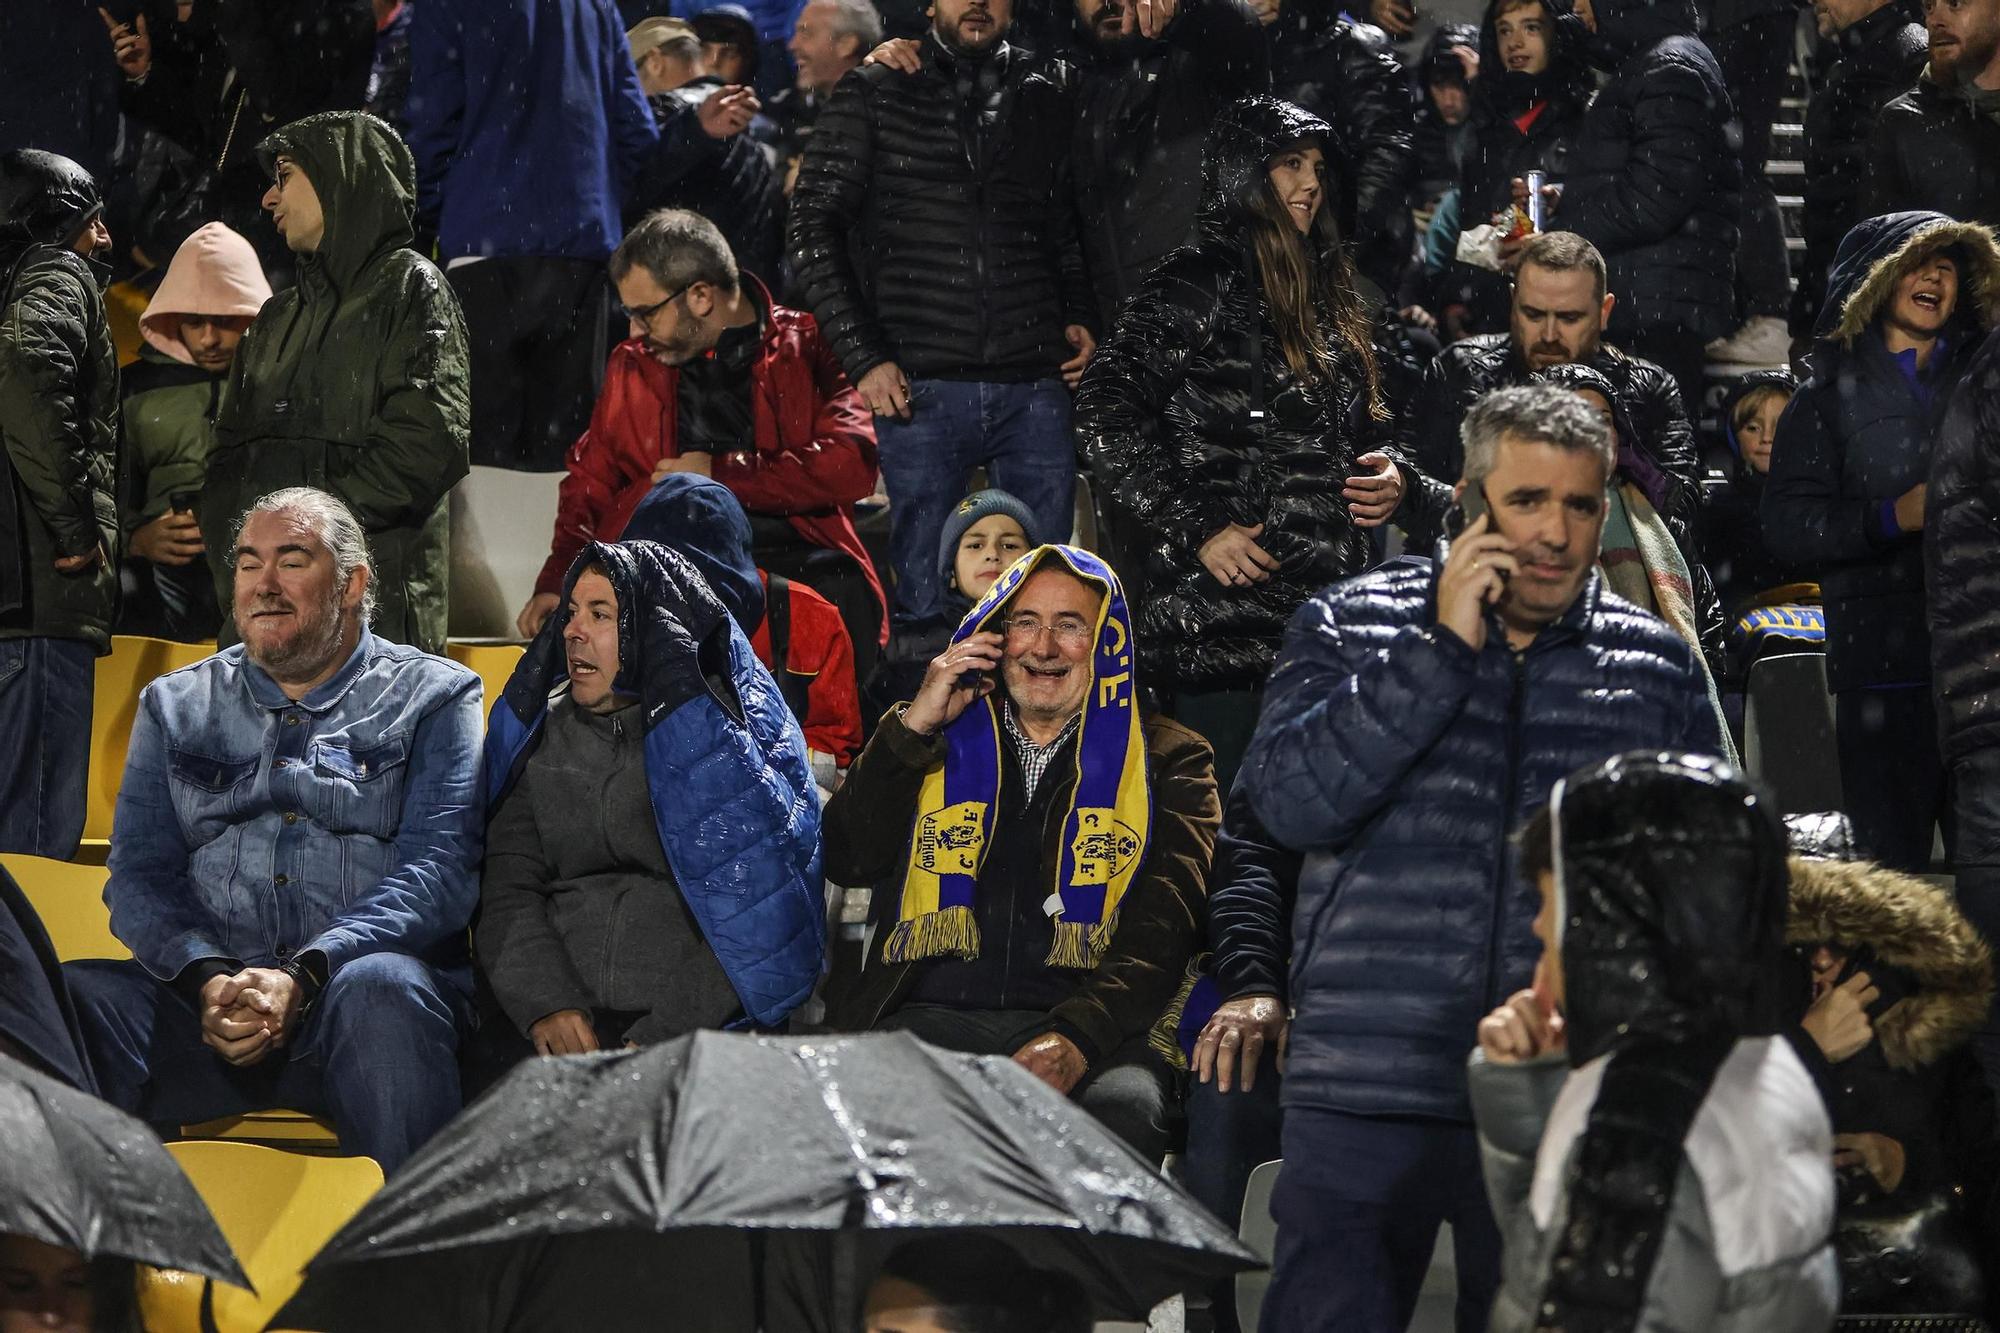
(1515, 701)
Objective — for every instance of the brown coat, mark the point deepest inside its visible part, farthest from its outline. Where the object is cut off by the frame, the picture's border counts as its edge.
(867, 832)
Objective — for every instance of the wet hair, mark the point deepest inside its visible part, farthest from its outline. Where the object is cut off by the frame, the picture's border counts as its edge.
(1565, 252)
(679, 248)
(335, 526)
(1752, 402)
(1311, 287)
(1540, 413)
(981, 1285)
(857, 18)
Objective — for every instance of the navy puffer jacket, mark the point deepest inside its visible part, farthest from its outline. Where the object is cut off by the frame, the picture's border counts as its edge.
(1400, 761)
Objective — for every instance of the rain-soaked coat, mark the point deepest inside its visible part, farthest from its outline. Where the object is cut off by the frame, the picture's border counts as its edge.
(1860, 432)
(1962, 512)
(1192, 415)
(355, 381)
(58, 408)
(1675, 1170)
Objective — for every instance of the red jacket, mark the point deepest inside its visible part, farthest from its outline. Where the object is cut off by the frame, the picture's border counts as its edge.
(818, 668)
(814, 454)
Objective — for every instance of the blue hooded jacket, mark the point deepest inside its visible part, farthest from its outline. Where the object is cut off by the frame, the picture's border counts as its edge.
(732, 796)
(702, 520)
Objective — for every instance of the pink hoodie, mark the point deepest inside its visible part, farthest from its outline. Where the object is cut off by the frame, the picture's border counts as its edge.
(215, 272)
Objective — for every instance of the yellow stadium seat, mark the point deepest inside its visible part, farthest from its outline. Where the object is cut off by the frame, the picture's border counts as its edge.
(276, 1209)
(294, 1131)
(69, 898)
(494, 662)
(132, 665)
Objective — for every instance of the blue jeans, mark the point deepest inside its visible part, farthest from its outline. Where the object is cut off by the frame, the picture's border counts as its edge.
(45, 698)
(1018, 432)
(1358, 1206)
(377, 1055)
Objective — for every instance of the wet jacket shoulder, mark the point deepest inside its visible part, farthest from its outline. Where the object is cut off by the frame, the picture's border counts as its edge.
(1876, 61)
(868, 824)
(1399, 761)
(59, 420)
(728, 181)
(1653, 182)
(908, 250)
(1934, 150)
(356, 380)
(1963, 512)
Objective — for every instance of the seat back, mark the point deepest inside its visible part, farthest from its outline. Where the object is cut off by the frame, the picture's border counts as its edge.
(494, 663)
(1788, 736)
(1259, 1233)
(131, 666)
(69, 899)
(276, 1209)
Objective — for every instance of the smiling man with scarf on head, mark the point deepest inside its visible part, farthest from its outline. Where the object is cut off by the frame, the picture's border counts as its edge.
(1038, 847)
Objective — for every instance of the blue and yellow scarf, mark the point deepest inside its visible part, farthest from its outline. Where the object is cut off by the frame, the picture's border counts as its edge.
(1104, 832)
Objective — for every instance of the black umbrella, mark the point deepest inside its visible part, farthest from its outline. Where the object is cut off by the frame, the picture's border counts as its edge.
(80, 1173)
(743, 1148)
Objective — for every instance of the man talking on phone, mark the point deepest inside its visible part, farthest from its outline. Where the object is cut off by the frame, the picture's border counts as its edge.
(1418, 715)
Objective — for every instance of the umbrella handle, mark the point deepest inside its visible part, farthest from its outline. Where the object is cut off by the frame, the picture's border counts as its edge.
(208, 1324)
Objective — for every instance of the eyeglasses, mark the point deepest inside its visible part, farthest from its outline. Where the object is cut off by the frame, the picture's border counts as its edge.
(1028, 629)
(643, 316)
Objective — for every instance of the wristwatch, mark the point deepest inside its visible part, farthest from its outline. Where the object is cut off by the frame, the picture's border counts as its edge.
(309, 985)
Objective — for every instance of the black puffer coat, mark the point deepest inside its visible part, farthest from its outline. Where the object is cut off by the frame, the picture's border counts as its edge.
(1875, 61)
(1142, 117)
(1500, 150)
(1652, 179)
(1166, 415)
(1345, 74)
(728, 181)
(1440, 147)
(1963, 514)
(911, 247)
(1931, 148)
(1858, 434)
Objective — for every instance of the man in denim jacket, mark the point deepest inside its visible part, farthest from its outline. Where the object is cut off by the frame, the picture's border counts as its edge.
(295, 859)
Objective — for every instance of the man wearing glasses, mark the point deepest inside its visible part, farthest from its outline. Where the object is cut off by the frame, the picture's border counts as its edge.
(1037, 846)
(719, 380)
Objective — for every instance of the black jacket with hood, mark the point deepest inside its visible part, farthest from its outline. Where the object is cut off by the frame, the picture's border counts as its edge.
(1938, 149)
(1345, 73)
(1653, 181)
(1194, 419)
(58, 408)
(1500, 150)
(1962, 557)
(1874, 61)
(355, 381)
(1732, 524)
(1860, 432)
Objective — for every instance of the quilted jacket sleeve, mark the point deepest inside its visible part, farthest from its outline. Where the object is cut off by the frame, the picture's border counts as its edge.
(1250, 907)
(43, 357)
(827, 206)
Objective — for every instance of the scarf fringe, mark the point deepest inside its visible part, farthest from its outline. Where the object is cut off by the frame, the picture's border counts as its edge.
(954, 930)
(1081, 944)
(1165, 1036)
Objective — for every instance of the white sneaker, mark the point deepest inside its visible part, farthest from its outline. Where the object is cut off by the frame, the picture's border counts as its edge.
(1763, 341)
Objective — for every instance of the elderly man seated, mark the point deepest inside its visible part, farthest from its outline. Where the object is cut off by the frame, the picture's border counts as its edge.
(1039, 847)
(294, 861)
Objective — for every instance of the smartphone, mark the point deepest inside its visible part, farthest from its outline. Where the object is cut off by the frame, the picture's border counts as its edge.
(1891, 983)
(1466, 511)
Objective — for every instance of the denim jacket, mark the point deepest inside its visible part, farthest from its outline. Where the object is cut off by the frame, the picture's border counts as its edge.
(254, 829)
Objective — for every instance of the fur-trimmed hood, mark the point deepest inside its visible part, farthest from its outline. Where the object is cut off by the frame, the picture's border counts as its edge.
(1910, 925)
(1879, 250)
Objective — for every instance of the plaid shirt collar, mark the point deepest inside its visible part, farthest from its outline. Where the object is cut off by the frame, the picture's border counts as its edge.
(1035, 758)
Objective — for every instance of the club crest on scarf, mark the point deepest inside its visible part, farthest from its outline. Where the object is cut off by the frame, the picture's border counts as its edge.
(1104, 830)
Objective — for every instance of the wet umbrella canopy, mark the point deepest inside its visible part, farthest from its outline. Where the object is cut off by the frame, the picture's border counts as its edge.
(79, 1173)
(716, 1136)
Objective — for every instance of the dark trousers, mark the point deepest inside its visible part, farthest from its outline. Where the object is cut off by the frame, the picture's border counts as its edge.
(1755, 57)
(1975, 780)
(1891, 776)
(536, 330)
(1358, 1206)
(46, 689)
(1229, 1135)
(1129, 1093)
(378, 1054)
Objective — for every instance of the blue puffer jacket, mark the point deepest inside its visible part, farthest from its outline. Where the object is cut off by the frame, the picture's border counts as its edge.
(733, 798)
(1400, 762)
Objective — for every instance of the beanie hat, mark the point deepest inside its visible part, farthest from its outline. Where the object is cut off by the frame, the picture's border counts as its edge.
(974, 507)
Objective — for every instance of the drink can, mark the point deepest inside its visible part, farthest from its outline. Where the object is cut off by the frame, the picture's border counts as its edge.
(1536, 180)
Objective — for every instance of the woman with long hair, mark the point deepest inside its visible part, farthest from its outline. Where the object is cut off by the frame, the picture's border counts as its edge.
(1226, 415)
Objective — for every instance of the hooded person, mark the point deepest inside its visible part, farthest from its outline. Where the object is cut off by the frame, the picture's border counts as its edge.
(1445, 95)
(191, 329)
(58, 512)
(355, 381)
(1900, 984)
(1228, 415)
(653, 850)
(1767, 603)
(796, 634)
(1655, 184)
(1908, 299)
(1656, 1151)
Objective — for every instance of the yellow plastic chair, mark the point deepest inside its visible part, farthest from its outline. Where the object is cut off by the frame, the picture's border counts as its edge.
(294, 1131)
(132, 665)
(276, 1209)
(69, 898)
(494, 662)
